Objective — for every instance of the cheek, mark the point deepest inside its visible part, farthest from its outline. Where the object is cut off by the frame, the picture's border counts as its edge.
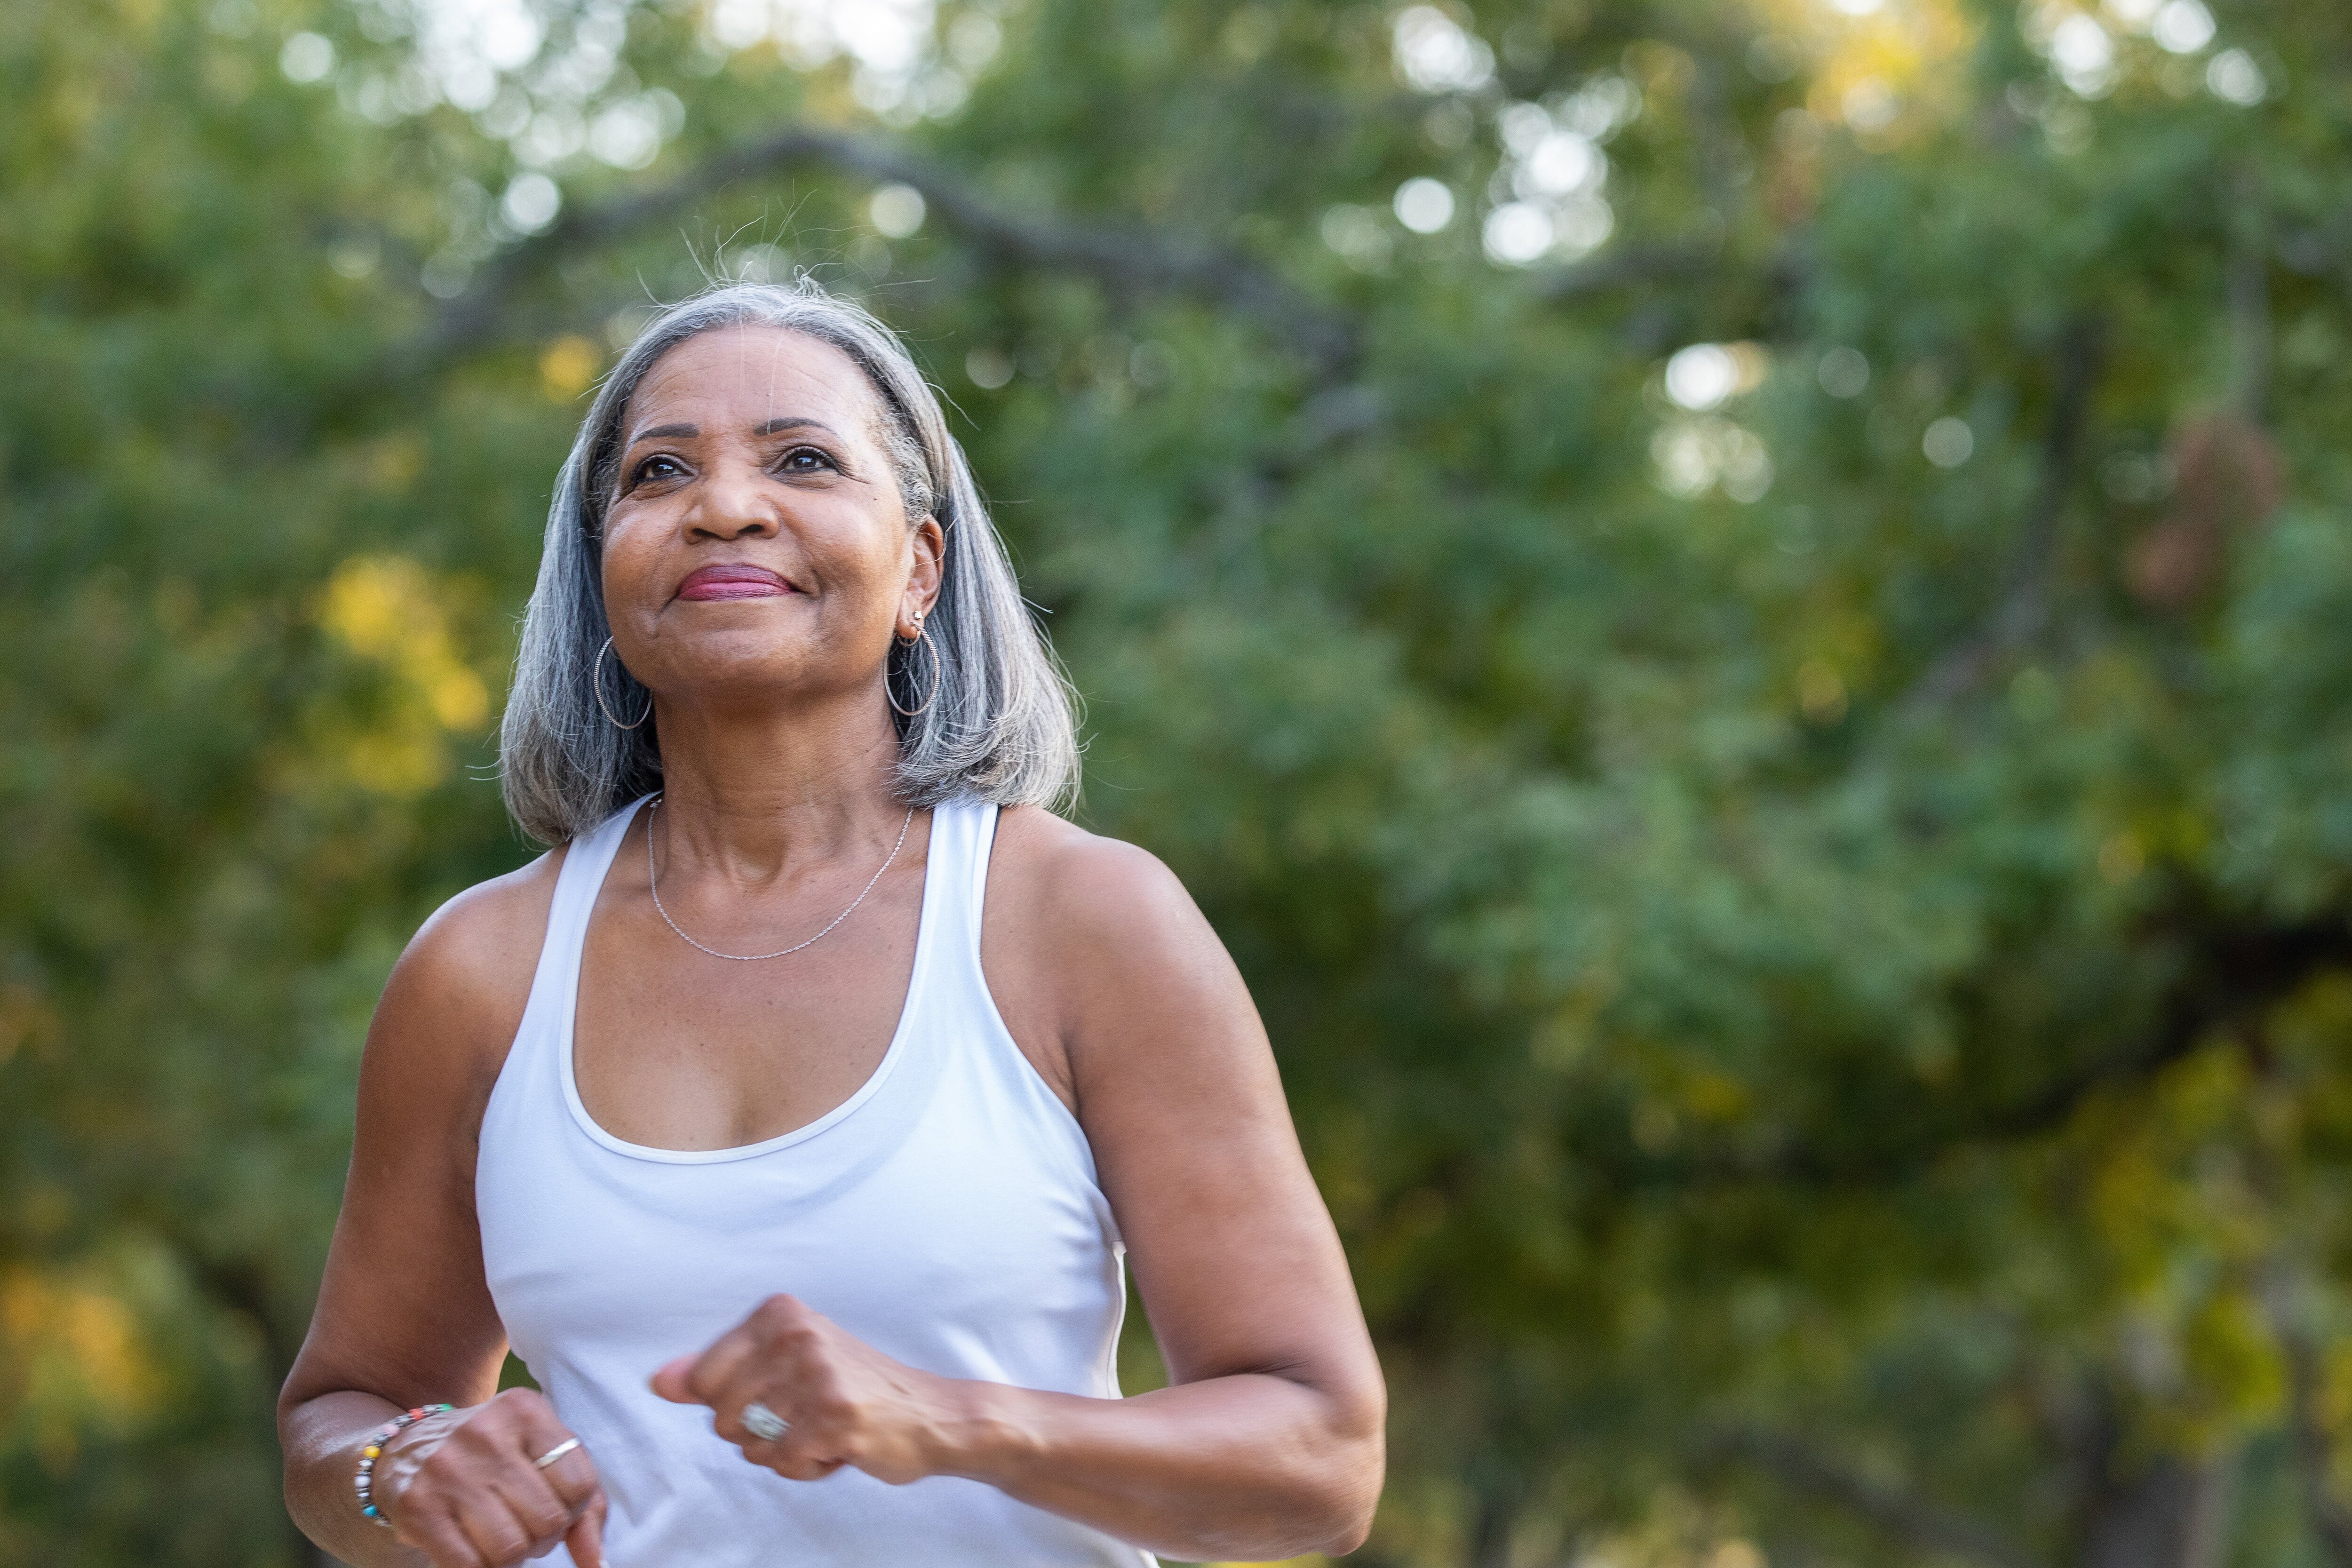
(629, 553)
(855, 562)
(883, 553)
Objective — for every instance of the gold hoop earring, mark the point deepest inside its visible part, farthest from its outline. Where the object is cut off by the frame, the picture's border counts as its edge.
(922, 637)
(596, 685)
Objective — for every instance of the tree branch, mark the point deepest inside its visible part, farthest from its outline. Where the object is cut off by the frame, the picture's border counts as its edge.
(2236, 977)
(2024, 607)
(1915, 1521)
(2232, 977)
(1133, 260)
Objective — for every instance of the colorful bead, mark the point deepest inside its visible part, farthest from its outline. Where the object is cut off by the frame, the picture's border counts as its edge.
(363, 1481)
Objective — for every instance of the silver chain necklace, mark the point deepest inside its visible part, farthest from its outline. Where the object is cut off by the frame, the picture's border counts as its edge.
(653, 883)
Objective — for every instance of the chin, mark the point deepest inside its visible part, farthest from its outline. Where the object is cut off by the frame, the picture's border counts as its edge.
(735, 668)
(744, 633)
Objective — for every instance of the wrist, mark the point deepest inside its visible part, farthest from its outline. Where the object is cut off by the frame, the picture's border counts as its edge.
(389, 1459)
(406, 1448)
(981, 1433)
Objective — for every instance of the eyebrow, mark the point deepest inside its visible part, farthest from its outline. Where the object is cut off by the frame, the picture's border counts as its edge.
(772, 427)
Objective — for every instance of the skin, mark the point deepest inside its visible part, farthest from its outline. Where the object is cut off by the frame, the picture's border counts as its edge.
(753, 444)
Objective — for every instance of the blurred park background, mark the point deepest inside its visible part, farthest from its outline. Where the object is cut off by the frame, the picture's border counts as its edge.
(1741, 610)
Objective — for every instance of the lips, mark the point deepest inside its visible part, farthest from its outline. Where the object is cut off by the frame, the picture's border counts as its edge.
(733, 581)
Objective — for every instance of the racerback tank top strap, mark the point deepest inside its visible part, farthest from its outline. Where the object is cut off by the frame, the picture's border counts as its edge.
(963, 838)
(948, 1212)
(556, 981)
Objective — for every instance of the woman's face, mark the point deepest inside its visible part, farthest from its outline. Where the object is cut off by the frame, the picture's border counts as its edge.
(758, 545)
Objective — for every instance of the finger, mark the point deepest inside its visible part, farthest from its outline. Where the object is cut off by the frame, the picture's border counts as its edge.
(809, 1450)
(574, 1479)
(534, 1504)
(795, 1465)
(725, 1361)
(499, 1537)
(780, 1328)
(727, 1418)
(436, 1531)
(529, 1421)
(672, 1381)
(586, 1538)
(769, 1385)
(789, 1456)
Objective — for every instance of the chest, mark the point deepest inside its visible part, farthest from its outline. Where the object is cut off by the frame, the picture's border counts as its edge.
(674, 1048)
(947, 1212)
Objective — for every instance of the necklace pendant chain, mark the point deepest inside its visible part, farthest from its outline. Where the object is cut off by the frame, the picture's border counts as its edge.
(653, 885)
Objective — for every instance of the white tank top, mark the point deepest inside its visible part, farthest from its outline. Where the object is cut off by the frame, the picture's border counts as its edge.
(947, 1214)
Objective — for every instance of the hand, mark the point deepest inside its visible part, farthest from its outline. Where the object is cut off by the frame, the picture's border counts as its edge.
(847, 1402)
(462, 1487)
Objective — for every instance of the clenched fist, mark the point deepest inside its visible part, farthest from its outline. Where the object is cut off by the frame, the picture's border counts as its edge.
(463, 1487)
(844, 1402)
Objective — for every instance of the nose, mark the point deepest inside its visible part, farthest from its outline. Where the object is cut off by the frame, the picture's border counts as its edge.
(734, 500)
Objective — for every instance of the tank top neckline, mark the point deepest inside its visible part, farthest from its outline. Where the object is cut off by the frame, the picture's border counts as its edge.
(595, 868)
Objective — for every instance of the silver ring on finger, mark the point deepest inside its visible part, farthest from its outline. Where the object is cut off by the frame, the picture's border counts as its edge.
(763, 1423)
(555, 1453)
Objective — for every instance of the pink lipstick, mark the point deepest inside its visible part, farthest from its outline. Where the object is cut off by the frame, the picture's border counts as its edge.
(733, 580)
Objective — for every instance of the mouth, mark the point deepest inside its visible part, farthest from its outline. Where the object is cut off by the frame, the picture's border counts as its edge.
(733, 580)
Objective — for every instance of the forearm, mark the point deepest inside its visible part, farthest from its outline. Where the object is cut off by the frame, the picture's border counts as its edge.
(1250, 1466)
(322, 1438)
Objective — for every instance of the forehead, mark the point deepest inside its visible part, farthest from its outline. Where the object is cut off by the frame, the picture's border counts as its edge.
(746, 375)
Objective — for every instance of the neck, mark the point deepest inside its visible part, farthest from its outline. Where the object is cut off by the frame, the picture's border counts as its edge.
(758, 793)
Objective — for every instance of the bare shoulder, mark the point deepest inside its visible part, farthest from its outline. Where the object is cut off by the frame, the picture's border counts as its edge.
(1081, 893)
(1106, 971)
(457, 997)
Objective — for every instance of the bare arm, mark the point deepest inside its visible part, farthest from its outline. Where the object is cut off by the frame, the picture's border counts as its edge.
(1269, 1441)
(404, 1316)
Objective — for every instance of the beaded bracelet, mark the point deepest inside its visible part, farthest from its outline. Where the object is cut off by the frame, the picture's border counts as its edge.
(365, 1482)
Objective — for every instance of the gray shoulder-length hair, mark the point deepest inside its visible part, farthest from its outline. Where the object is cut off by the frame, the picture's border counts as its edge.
(1001, 723)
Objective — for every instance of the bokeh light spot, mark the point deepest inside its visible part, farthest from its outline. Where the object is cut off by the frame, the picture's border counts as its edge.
(1843, 373)
(896, 211)
(1948, 442)
(1425, 206)
(1702, 377)
(988, 367)
(567, 367)
(530, 202)
(2182, 26)
(306, 58)
(1517, 234)
(2234, 77)
(1433, 53)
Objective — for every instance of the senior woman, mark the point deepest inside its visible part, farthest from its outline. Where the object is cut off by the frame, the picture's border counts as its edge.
(793, 1117)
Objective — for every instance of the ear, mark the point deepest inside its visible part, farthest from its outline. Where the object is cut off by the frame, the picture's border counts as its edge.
(922, 590)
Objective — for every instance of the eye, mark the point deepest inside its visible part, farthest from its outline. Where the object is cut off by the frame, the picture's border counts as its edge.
(660, 466)
(806, 460)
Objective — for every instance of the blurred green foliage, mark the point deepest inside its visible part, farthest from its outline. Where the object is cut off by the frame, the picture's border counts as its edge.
(1758, 688)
